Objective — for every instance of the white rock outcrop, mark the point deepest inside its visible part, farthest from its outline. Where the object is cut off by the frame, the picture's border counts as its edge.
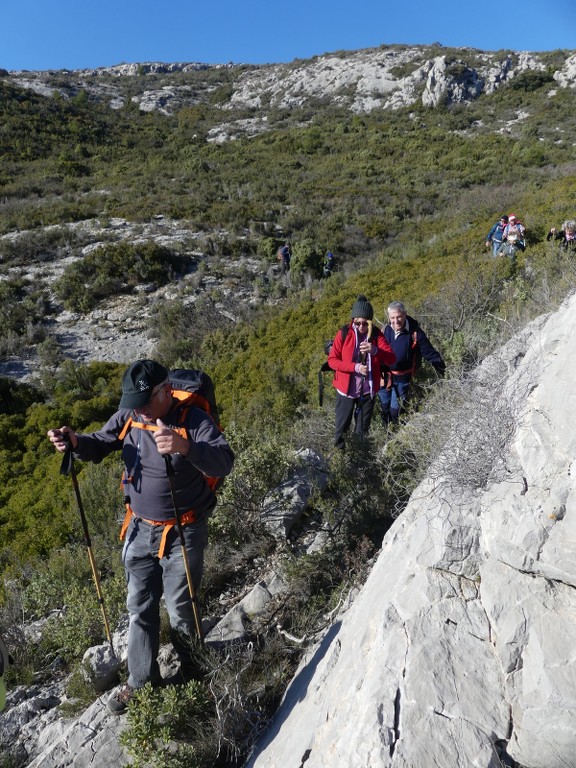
(459, 650)
(387, 77)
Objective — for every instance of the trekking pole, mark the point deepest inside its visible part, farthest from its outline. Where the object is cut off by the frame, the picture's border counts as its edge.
(364, 360)
(193, 596)
(67, 468)
(320, 388)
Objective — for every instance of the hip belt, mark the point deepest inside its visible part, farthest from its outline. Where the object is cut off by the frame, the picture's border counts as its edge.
(185, 519)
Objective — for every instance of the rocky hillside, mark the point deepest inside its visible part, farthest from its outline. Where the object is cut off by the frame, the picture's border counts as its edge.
(122, 328)
(458, 650)
(388, 77)
(244, 101)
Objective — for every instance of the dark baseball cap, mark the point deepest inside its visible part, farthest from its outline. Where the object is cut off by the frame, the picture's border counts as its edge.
(139, 380)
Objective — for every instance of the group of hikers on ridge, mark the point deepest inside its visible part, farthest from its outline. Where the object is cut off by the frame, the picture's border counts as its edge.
(171, 448)
(370, 363)
(508, 235)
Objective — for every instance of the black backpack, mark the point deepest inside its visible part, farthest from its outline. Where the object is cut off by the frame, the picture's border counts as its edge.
(196, 382)
(325, 367)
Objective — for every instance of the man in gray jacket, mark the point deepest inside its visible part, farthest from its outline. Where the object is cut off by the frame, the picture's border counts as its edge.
(150, 425)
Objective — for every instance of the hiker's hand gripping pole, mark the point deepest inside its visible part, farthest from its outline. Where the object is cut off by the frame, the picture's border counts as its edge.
(67, 468)
(191, 589)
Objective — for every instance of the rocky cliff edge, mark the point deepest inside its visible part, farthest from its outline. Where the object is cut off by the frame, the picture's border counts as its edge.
(459, 650)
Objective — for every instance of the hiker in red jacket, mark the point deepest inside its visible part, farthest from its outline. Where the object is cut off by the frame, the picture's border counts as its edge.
(357, 356)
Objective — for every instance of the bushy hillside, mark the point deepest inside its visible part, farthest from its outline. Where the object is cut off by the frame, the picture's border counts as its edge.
(403, 196)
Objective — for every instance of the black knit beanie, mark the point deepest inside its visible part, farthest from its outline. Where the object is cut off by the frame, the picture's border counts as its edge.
(362, 308)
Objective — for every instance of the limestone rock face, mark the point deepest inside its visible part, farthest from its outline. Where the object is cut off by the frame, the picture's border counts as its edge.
(566, 77)
(387, 77)
(459, 649)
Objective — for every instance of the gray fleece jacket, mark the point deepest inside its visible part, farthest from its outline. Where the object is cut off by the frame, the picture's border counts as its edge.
(149, 492)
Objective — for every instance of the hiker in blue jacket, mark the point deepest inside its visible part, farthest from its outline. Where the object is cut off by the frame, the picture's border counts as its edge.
(495, 237)
(284, 255)
(409, 343)
(154, 564)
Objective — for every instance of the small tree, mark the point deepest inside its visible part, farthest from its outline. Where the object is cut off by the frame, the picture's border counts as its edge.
(307, 258)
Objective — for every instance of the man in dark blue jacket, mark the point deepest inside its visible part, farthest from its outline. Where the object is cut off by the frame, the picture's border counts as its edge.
(409, 343)
(495, 237)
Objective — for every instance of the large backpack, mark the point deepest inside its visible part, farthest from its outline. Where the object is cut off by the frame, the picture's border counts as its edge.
(194, 389)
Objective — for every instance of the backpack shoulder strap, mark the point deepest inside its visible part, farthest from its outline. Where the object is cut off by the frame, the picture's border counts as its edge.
(190, 399)
(125, 429)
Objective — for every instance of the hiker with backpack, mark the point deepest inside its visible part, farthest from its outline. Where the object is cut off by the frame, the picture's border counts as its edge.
(409, 344)
(567, 235)
(495, 237)
(357, 355)
(284, 256)
(329, 265)
(172, 449)
(513, 237)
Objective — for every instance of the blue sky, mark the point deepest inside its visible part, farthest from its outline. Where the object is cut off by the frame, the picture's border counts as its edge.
(74, 34)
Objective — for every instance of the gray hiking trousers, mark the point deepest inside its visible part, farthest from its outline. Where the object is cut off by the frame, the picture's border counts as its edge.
(147, 578)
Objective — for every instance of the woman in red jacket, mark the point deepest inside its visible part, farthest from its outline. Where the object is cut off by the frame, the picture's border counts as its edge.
(358, 352)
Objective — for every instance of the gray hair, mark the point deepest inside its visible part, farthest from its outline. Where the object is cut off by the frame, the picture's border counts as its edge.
(396, 306)
(570, 224)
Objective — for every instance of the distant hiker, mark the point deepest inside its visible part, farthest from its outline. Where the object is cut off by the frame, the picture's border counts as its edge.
(514, 234)
(329, 265)
(284, 255)
(567, 235)
(409, 344)
(357, 356)
(495, 237)
(162, 427)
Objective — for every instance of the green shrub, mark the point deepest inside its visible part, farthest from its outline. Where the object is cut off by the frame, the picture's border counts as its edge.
(113, 269)
(166, 727)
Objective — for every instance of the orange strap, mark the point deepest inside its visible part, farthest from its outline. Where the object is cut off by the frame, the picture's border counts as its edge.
(149, 428)
(187, 517)
(411, 371)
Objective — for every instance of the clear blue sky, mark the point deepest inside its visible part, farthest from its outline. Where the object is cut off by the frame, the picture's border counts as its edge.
(74, 34)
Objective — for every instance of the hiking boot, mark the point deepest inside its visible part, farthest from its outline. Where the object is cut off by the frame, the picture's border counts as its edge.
(118, 703)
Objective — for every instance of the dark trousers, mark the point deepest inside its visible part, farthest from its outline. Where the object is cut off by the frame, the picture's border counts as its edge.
(347, 407)
(393, 400)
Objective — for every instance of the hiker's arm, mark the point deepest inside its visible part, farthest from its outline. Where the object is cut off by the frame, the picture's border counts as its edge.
(335, 357)
(95, 446)
(430, 353)
(208, 449)
(384, 352)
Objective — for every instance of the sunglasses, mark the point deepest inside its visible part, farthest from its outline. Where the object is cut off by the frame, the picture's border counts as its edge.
(360, 323)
